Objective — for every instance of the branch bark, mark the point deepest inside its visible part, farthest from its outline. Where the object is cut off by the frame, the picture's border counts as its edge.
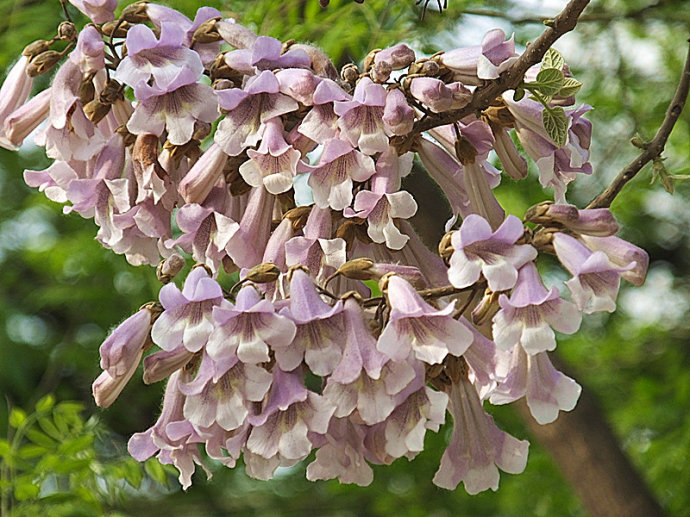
(654, 148)
(586, 450)
(484, 95)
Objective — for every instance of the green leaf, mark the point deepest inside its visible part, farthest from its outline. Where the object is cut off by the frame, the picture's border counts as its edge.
(45, 404)
(5, 449)
(17, 417)
(25, 488)
(49, 428)
(40, 438)
(75, 445)
(154, 469)
(552, 59)
(556, 125)
(29, 451)
(570, 87)
(132, 473)
(549, 81)
(518, 94)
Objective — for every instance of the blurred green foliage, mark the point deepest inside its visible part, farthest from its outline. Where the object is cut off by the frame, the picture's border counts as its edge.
(61, 292)
(53, 460)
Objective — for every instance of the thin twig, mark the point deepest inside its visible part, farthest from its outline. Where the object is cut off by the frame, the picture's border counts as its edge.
(484, 95)
(654, 148)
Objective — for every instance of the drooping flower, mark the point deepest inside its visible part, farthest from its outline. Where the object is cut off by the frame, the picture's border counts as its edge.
(532, 376)
(247, 109)
(527, 318)
(187, 319)
(361, 119)
(416, 326)
(165, 60)
(248, 328)
(320, 333)
(477, 448)
(478, 250)
(331, 179)
(595, 282)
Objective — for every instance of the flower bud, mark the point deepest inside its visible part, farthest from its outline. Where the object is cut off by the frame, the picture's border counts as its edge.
(350, 73)
(486, 308)
(36, 48)
(135, 13)
(116, 29)
(207, 32)
(67, 31)
(43, 63)
(357, 269)
(96, 111)
(167, 269)
(263, 273)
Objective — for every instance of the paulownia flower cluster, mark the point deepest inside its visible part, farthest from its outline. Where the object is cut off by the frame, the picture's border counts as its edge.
(257, 157)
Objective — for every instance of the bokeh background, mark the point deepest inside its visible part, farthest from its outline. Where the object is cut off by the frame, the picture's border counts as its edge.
(60, 292)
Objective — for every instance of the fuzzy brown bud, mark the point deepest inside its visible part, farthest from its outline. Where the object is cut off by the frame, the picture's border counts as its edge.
(486, 308)
(35, 48)
(298, 217)
(116, 29)
(263, 273)
(67, 31)
(135, 13)
(167, 269)
(43, 63)
(87, 92)
(465, 151)
(112, 91)
(95, 110)
(207, 32)
(357, 269)
(350, 73)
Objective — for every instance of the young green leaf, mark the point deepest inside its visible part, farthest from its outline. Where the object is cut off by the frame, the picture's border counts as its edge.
(570, 87)
(45, 404)
(552, 59)
(549, 81)
(17, 417)
(556, 125)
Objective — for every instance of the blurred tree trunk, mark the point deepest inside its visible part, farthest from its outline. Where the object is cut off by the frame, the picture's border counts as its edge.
(580, 442)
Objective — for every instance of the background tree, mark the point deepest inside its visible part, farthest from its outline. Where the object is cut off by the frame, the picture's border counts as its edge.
(59, 297)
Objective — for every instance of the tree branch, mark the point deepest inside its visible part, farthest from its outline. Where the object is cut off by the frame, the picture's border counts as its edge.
(484, 95)
(654, 148)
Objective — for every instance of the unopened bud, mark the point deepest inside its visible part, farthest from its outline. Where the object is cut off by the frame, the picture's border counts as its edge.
(223, 84)
(43, 63)
(207, 32)
(465, 151)
(430, 68)
(127, 137)
(67, 31)
(96, 111)
(445, 247)
(369, 60)
(167, 269)
(116, 29)
(486, 308)
(112, 91)
(87, 92)
(357, 269)
(298, 217)
(201, 130)
(135, 13)
(35, 48)
(350, 73)
(263, 273)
